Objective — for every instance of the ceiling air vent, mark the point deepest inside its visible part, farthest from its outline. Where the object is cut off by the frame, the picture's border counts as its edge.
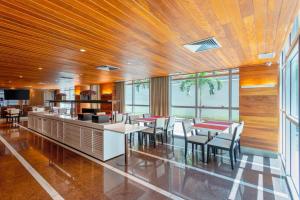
(266, 55)
(107, 68)
(68, 78)
(203, 45)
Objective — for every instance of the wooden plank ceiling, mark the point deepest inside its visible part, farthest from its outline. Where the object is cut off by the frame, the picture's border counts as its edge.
(144, 38)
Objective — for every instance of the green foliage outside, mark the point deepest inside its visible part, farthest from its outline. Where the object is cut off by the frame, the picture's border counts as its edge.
(212, 82)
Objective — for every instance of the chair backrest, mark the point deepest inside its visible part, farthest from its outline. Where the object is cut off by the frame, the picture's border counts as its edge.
(14, 111)
(101, 113)
(187, 127)
(119, 117)
(234, 136)
(240, 129)
(132, 119)
(160, 123)
(125, 118)
(146, 115)
(171, 122)
(197, 120)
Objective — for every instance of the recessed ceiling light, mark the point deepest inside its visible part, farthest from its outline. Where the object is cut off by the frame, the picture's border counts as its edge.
(28, 86)
(40, 68)
(9, 81)
(20, 76)
(82, 50)
(41, 83)
(128, 63)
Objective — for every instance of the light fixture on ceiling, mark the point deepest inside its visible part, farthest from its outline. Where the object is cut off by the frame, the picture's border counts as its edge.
(10, 81)
(107, 68)
(28, 86)
(40, 68)
(82, 50)
(20, 76)
(268, 85)
(41, 83)
(203, 45)
(267, 55)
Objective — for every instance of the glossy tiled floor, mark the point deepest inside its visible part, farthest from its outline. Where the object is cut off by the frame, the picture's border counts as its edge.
(152, 173)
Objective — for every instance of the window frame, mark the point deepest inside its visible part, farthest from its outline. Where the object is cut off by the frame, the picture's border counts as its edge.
(133, 104)
(197, 108)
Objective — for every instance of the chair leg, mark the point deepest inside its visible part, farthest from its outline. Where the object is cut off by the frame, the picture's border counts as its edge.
(231, 159)
(154, 140)
(234, 153)
(162, 139)
(192, 148)
(208, 147)
(215, 149)
(173, 136)
(239, 143)
(166, 132)
(185, 149)
(202, 149)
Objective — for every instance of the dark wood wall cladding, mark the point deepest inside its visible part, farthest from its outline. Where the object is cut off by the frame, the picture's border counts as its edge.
(259, 107)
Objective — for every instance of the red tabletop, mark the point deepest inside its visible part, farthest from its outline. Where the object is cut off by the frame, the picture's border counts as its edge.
(219, 123)
(149, 119)
(155, 116)
(211, 126)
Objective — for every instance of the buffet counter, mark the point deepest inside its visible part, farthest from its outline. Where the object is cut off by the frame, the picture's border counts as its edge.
(102, 141)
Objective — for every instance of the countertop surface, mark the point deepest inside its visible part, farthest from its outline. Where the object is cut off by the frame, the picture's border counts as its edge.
(124, 128)
(115, 127)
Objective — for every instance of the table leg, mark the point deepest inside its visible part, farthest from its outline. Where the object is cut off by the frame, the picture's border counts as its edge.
(125, 163)
(126, 149)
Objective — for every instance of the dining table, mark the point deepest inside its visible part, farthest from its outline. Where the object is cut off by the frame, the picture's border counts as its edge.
(213, 126)
(148, 119)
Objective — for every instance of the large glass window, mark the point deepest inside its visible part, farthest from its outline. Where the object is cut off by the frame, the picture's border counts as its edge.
(70, 95)
(295, 155)
(213, 91)
(295, 87)
(7, 102)
(289, 109)
(208, 95)
(137, 96)
(183, 91)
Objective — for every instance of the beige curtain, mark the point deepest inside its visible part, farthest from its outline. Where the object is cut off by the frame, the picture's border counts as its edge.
(120, 95)
(159, 100)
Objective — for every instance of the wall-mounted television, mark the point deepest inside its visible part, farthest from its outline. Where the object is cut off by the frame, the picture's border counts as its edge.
(16, 94)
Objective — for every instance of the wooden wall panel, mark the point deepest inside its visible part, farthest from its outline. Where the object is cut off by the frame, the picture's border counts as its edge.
(259, 107)
(36, 97)
(143, 38)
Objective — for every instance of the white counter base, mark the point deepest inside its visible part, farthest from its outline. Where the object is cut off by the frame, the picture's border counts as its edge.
(87, 137)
